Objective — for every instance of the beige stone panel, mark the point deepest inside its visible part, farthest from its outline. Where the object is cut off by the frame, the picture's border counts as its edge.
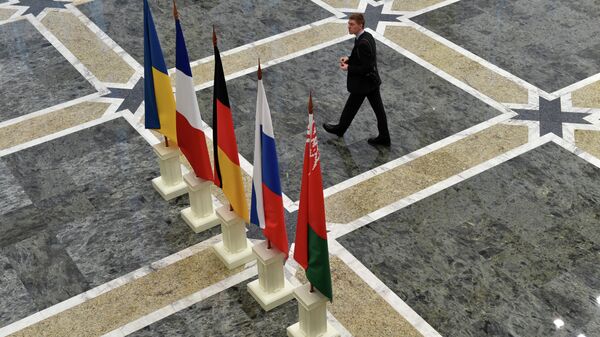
(99, 58)
(434, 167)
(359, 308)
(587, 97)
(589, 141)
(6, 13)
(275, 49)
(413, 5)
(343, 3)
(459, 66)
(135, 299)
(50, 123)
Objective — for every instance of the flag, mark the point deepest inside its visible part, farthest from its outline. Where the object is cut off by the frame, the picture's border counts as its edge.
(266, 209)
(311, 250)
(159, 101)
(228, 174)
(190, 137)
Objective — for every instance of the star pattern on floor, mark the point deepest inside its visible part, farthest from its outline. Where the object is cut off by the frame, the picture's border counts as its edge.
(37, 6)
(374, 14)
(132, 98)
(551, 116)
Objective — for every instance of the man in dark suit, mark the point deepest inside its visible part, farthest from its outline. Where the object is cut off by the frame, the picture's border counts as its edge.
(363, 82)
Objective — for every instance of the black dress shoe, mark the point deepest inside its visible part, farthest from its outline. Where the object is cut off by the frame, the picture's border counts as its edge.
(385, 141)
(333, 128)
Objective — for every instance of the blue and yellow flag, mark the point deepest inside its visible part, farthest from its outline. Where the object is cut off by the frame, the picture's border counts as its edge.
(158, 93)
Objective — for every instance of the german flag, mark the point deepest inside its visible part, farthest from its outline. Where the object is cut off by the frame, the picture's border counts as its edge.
(228, 175)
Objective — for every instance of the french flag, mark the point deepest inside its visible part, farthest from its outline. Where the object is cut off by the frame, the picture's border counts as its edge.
(190, 137)
(267, 204)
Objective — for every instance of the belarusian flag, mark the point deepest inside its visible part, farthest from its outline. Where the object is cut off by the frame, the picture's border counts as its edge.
(266, 210)
(311, 234)
(190, 137)
(228, 174)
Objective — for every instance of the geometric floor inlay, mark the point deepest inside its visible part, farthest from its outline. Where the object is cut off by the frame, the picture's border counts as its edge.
(481, 218)
(504, 253)
(548, 43)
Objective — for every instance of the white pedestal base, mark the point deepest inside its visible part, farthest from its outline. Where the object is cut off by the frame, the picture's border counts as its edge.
(235, 249)
(312, 309)
(295, 331)
(200, 216)
(234, 260)
(271, 289)
(169, 185)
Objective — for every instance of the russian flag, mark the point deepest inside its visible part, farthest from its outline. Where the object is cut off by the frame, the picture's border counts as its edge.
(190, 137)
(267, 204)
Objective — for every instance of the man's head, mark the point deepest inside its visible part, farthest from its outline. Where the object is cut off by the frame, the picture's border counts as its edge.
(356, 23)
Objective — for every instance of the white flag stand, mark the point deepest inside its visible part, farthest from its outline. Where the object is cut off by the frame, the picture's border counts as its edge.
(271, 289)
(235, 249)
(200, 216)
(312, 310)
(169, 185)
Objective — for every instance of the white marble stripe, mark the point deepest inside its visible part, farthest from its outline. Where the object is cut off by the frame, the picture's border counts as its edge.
(259, 42)
(9, 3)
(407, 23)
(337, 325)
(19, 11)
(417, 154)
(139, 127)
(267, 64)
(139, 69)
(44, 111)
(66, 53)
(56, 135)
(441, 73)
(576, 151)
(382, 290)
(375, 215)
(104, 288)
(184, 303)
(577, 85)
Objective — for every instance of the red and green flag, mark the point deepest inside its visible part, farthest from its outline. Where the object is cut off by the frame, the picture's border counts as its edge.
(311, 250)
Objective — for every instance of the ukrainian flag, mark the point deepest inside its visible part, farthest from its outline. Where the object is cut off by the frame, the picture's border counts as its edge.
(158, 93)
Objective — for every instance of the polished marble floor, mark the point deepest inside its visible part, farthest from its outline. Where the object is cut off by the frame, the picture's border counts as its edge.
(481, 219)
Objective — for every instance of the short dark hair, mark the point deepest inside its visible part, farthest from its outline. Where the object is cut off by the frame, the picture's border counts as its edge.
(359, 18)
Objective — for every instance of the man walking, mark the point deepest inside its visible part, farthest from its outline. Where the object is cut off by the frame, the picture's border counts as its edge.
(363, 82)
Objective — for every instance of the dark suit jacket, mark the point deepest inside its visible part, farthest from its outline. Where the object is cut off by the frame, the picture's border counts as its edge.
(362, 61)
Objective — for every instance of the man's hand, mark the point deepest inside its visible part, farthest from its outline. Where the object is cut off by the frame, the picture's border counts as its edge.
(344, 66)
(344, 59)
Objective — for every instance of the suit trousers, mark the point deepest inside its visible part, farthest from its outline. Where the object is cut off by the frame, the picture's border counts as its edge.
(353, 104)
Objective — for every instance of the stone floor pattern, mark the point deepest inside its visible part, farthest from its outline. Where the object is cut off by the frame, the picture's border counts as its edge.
(481, 219)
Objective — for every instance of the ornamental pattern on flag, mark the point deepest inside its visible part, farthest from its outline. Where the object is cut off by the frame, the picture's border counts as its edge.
(311, 250)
